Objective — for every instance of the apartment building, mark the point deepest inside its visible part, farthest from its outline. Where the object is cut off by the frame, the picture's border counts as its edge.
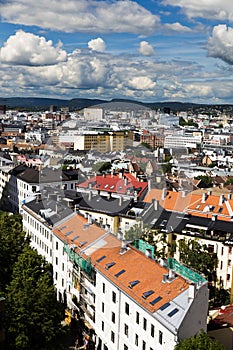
(123, 307)
(203, 215)
(25, 182)
(108, 141)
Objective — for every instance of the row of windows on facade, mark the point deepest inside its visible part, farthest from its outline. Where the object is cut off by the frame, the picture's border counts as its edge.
(137, 319)
(136, 339)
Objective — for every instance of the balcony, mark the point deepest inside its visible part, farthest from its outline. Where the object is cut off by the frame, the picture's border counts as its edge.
(213, 236)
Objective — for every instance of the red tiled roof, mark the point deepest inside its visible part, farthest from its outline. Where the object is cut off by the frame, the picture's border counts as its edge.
(115, 184)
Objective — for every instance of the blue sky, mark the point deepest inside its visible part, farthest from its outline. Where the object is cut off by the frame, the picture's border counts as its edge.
(151, 50)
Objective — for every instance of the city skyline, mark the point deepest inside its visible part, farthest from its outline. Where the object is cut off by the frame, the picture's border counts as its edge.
(144, 50)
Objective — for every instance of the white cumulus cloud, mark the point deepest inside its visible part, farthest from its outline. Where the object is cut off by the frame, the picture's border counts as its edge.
(81, 15)
(29, 49)
(210, 9)
(145, 49)
(220, 44)
(97, 44)
(177, 27)
(142, 83)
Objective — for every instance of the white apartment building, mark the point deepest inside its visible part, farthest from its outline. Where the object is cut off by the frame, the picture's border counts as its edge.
(25, 182)
(182, 141)
(123, 306)
(93, 114)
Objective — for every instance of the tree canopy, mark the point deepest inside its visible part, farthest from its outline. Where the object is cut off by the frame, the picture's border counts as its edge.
(33, 314)
(198, 257)
(200, 342)
(12, 241)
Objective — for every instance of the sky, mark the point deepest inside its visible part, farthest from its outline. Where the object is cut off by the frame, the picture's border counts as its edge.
(147, 50)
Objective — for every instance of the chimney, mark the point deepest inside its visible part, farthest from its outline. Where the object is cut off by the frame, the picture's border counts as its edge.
(209, 193)
(89, 219)
(89, 196)
(221, 199)
(183, 194)
(149, 185)
(164, 193)
(214, 217)
(156, 205)
(165, 278)
(204, 197)
(120, 201)
(171, 275)
(192, 290)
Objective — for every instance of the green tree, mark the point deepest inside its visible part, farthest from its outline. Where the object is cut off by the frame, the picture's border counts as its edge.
(207, 180)
(33, 314)
(12, 241)
(198, 257)
(200, 342)
(101, 166)
(134, 232)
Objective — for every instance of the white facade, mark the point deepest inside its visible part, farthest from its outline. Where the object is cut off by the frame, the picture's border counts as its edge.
(93, 114)
(179, 141)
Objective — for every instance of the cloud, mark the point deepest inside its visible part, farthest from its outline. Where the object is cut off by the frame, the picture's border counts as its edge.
(142, 83)
(81, 16)
(220, 44)
(213, 9)
(29, 49)
(177, 27)
(97, 44)
(87, 73)
(145, 49)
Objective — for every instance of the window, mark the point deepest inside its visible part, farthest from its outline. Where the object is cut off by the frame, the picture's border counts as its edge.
(102, 307)
(62, 282)
(62, 266)
(114, 297)
(112, 336)
(230, 250)
(228, 277)
(160, 337)
(103, 287)
(57, 245)
(221, 265)
(136, 339)
(152, 331)
(144, 323)
(126, 330)
(102, 325)
(125, 347)
(229, 262)
(143, 345)
(222, 251)
(56, 261)
(127, 308)
(113, 317)
(137, 317)
(55, 275)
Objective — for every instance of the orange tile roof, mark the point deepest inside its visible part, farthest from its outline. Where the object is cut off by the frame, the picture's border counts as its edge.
(77, 230)
(191, 203)
(150, 276)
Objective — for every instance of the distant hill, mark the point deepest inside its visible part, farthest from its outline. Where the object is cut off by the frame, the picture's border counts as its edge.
(35, 104)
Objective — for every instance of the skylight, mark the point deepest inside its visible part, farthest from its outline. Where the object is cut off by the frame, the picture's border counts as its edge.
(109, 265)
(133, 283)
(68, 233)
(62, 228)
(73, 239)
(102, 258)
(147, 294)
(119, 273)
(156, 300)
(173, 312)
(163, 307)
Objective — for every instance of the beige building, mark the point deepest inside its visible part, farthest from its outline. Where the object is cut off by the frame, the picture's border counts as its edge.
(104, 141)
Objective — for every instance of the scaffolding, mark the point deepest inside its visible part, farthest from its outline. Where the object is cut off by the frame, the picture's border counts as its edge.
(85, 265)
(184, 271)
(144, 247)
